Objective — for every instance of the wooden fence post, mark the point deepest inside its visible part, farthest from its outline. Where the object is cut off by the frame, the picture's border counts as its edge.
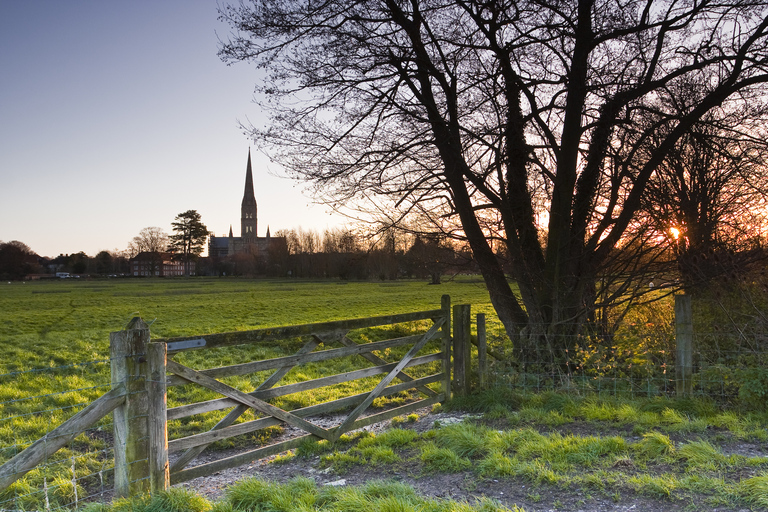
(128, 351)
(445, 305)
(461, 347)
(159, 469)
(482, 351)
(684, 344)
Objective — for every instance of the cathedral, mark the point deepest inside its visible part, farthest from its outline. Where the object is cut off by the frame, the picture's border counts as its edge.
(248, 241)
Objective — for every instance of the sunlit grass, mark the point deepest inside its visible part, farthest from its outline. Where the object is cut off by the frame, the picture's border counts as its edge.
(653, 465)
(54, 350)
(302, 495)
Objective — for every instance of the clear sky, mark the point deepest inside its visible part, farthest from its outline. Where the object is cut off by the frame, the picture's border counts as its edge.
(118, 115)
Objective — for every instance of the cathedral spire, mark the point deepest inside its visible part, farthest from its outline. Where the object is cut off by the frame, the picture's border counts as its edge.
(248, 195)
(248, 210)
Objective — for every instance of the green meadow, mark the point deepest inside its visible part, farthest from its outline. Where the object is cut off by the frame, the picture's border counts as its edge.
(50, 324)
(54, 345)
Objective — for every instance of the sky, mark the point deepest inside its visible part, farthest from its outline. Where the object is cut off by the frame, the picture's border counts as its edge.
(118, 115)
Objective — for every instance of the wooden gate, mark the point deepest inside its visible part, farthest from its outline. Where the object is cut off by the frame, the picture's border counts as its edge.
(323, 341)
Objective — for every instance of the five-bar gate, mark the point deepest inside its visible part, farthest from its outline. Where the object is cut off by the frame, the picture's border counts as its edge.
(322, 342)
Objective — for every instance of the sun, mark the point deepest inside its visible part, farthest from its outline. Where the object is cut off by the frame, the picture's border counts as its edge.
(675, 233)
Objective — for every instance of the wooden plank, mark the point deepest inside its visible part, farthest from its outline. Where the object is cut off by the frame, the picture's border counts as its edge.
(313, 357)
(377, 360)
(482, 346)
(294, 331)
(128, 349)
(391, 375)
(59, 437)
(236, 460)
(260, 453)
(158, 419)
(246, 399)
(684, 345)
(461, 348)
(445, 304)
(273, 379)
(185, 411)
(238, 411)
(188, 442)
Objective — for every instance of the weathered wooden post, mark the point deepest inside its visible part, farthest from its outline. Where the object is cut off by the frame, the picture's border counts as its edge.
(461, 347)
(482, 351)
(684, 343)
(445, 305)
(159, 469)
(128, 352)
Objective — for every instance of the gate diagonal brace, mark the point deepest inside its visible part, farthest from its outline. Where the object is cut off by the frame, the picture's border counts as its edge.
(238, 411)
(246, 399)
(373, 358)
(386, 380)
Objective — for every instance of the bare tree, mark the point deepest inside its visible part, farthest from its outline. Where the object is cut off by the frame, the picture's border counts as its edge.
(708, 197)
(151, 239)
(519, 120)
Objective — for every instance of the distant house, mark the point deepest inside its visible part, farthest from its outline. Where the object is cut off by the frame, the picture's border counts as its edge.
(156, 264)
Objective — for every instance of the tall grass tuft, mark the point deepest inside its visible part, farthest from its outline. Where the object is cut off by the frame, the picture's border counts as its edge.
(702, 454)
(754, 490)
(393, 438)
(660, 486)
(654, 445)
(172, 500)
(442, 460)
(464, 439)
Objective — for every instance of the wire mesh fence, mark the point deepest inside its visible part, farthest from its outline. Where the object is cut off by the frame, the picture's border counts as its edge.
(35, 401)
(728, 356)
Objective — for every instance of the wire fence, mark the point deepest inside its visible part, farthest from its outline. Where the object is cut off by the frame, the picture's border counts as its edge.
(728, 359)
(35, 401)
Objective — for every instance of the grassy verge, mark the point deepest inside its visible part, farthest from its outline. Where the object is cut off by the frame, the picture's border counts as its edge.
(684, 452)
(301, 495)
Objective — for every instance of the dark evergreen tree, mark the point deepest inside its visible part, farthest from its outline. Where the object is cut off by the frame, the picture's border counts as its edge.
(188, 238)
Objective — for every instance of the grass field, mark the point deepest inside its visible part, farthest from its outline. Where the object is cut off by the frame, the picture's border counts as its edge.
(54, 359)
(45, 324)
(54, 340)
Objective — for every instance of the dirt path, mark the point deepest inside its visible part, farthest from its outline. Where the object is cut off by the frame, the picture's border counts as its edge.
(463, 486)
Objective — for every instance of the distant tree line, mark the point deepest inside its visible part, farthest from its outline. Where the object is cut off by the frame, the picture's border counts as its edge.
(343, 253)
(18, 261)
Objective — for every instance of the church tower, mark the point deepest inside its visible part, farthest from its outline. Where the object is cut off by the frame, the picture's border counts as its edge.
(248, 217)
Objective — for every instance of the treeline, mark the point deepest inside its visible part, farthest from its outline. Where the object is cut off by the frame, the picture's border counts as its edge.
(19, 261)
(346, 254)
(335, 253)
